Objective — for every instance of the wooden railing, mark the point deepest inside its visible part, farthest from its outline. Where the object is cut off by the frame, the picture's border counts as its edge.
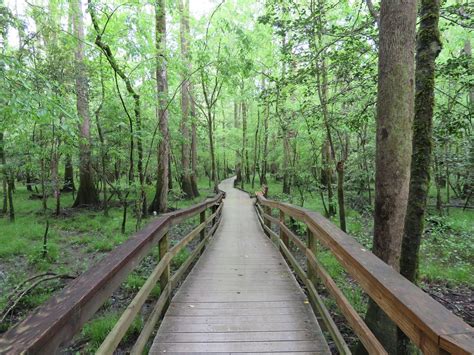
(431, 327)
(59, 319)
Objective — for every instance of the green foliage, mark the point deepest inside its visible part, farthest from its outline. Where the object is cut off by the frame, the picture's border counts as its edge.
(134, 282)
(96, 330)
(181, 257)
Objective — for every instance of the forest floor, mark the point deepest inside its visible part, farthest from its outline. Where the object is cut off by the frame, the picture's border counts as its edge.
(446, 256)
(77, 239)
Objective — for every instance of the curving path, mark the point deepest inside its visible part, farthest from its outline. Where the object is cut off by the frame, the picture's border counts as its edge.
(240, 297)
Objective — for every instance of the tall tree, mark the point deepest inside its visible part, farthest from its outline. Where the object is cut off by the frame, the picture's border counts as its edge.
(395, 105)
(194, 155)
(4, 174)
(87, 193)
(186, 184)
(244, 154)
(428, 48)
(160, 202)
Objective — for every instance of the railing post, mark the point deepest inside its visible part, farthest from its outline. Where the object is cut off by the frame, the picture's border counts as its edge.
(165, 276)
(202, 233)
(267, 210)
(312, 246)
(283, 236)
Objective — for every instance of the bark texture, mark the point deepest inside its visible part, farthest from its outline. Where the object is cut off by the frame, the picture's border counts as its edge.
(87, 193)
(340, 194)
(68, 185)
(194, 156)
(4, 174)
(428, 48)
(186, 184)
(395, 106)
(244, 154)
(160, 202)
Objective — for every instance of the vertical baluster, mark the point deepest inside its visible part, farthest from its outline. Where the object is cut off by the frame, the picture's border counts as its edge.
(165, 276)
(202, 234)
(283, 236)
(267, 210)
(312, 245)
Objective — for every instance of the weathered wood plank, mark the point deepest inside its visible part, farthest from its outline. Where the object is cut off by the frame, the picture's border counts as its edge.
(294, 335)
(169, 327)
(267, 346)
(211, 312)
(238, 305)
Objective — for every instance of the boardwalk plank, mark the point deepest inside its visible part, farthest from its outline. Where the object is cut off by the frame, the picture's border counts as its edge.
(295, 335)
(275, 346)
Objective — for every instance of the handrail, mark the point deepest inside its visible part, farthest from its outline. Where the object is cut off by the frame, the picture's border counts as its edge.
(54, 323)
(431, 327)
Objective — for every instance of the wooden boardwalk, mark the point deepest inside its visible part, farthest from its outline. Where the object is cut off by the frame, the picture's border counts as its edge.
(241, 296)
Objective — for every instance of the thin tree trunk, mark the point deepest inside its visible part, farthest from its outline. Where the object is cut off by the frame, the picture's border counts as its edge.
(11, 210)
(4, 174)
(55, 181)
(243, 153)
(44, 194)
(447, 176)
(327, 178)
(87, 193)
(210, 132)
(194, 156)
(395, 106)
(428, 48)
(255, 150)
(263, 176)
(286, 162)
(103, 151)
(238, 154)
(340, 195)
(29, 182)
(160, 202)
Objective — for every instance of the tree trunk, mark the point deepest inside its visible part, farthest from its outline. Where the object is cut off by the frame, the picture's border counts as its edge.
(210, 132)
(170, 171)
(29, 182)
(4, 174)
(11, 210)
(194, 157)
(256, 150)
(286, 162)
(186, 184)
(447, 175)
(395, 105)
(68, 185)
(340, 195)
(87, 193)
(160, 202)
(238, 154)
(428, 48)
(263, 176)
(243, 154)
(55, 180)
(326, 178)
